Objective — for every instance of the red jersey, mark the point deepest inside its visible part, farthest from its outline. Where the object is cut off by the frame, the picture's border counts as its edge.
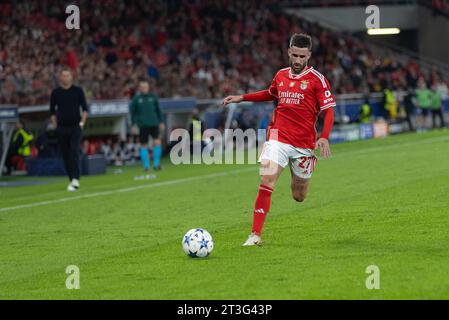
(301, 97)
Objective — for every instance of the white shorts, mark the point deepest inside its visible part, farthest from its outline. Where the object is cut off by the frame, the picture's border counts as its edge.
(302, 161)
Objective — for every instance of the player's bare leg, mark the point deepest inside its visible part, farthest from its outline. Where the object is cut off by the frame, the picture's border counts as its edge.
(300, 187)
(270, 172)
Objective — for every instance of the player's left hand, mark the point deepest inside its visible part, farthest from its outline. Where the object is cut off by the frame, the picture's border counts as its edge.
(323, 145)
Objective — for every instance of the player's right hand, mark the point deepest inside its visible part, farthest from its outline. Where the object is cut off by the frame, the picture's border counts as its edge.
(232, 99)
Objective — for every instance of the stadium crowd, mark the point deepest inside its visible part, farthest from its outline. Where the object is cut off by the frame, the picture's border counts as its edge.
(206, 49)
(440, 6)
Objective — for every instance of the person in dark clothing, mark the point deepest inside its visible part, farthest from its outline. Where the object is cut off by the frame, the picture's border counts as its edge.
(409, 106)
(365, 113)
(196, 130)
(68, 115)
(437, 107)
(47, 142)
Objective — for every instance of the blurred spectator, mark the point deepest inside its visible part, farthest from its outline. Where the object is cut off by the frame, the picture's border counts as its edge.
(365, 113)
(47, 142)
(120, 153)
(440, 6)
(423, 102)
(442, 88)
(205, 49)
(389, 104)
(437, 107)
(19, 148)
(85, 147)
(106, 150)
(88, 148)
(196, 130)
(409, 108)
(132, 149)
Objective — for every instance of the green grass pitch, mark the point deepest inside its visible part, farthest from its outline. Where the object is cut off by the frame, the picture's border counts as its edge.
(380, 202)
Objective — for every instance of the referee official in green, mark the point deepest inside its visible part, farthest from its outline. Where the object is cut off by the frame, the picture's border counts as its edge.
(146, 114)
(68, 115)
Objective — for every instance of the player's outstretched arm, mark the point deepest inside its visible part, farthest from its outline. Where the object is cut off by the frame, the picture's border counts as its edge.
(259, 96)
(232, 99)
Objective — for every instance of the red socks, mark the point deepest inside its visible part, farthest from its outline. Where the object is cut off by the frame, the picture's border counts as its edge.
(261, 208)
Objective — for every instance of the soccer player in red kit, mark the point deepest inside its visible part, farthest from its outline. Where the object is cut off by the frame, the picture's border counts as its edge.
(302, 93)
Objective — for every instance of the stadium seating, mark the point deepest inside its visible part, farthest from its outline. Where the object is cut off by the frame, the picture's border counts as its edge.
(186, 48)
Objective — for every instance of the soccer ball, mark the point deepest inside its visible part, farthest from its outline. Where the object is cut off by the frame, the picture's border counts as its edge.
(197, 243)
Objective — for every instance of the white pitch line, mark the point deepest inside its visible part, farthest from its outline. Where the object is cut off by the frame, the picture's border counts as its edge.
(105, 193)
(178, 181)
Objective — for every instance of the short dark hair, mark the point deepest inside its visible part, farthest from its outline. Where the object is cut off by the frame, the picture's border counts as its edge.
(65, 69)
(301, 40)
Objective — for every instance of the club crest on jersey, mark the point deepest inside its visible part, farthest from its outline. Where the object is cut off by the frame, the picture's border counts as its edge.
(304, 84)
(292, 84)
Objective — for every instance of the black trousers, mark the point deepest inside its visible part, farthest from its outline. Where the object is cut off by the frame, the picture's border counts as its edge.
(69, 140)
(439, 113)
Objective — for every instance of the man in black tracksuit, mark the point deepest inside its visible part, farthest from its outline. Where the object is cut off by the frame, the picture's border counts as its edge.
(68, 114)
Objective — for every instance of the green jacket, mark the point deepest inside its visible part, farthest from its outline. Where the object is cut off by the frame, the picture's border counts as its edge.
(437, 100)
(424, 98)
(145, 111)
